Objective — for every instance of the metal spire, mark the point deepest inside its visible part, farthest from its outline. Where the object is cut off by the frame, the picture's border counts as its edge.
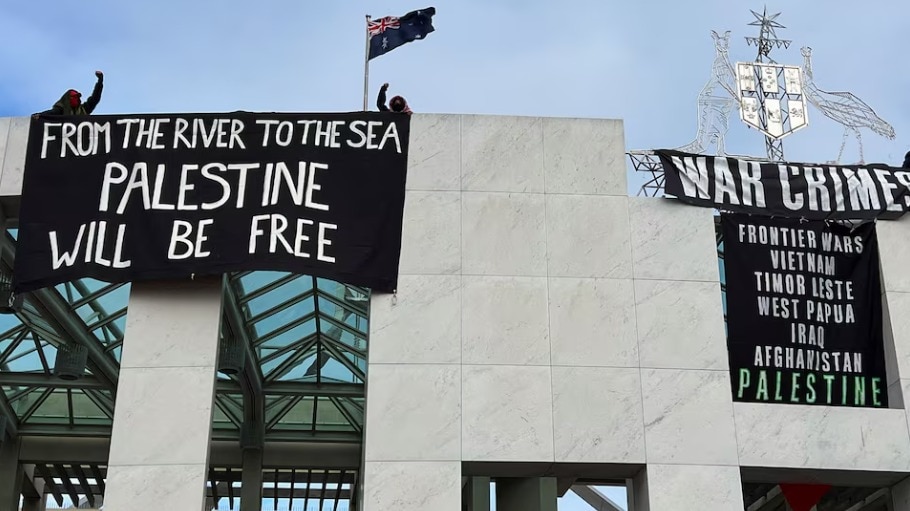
(767, 37)
(766, 41)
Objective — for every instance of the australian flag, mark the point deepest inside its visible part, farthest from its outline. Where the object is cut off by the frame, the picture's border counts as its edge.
(390, 32)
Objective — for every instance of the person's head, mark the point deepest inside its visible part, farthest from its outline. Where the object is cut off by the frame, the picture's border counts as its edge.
(398, 104)
(907, 160)
(75, 97)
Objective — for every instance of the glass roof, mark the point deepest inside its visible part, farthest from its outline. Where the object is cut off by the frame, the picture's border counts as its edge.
(308, 336)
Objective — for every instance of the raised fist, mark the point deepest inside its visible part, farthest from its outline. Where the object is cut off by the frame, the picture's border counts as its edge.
(99, 74)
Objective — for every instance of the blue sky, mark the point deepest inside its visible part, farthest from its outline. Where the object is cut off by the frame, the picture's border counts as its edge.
(641, 61)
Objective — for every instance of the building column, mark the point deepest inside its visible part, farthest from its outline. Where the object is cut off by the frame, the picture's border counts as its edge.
(11, 473)
(900, 495)
(33, 497)
(687, 488)
(251, 480)
(33, 504)
(163, 413)
(526, 494)
(475, 496)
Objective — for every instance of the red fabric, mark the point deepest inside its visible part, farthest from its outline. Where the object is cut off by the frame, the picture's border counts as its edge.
(74, 99)
(802, 497)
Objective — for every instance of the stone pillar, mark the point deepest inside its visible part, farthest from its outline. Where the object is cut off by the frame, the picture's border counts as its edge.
(33, 496)
(163, 415)
(689, 428)
(526, 494)
(893, 247)
(11, 474)
(688, 488)
(475, 496)
(900, 495)
(251, 480)
(33, 504)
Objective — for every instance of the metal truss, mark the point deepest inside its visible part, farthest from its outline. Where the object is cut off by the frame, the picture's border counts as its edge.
(299, 393)
(282, 393)
(648, 163)
(47, 305)
(82, 484)
(326, 488)
(594, 498)
(250, 379)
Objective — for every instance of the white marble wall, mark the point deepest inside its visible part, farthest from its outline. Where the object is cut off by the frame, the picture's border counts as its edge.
(13, 143)
(894, 247)
(544, 316)
(557, 301)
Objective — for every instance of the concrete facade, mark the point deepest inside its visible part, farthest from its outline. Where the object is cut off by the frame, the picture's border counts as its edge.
(546, 323)
(544, 316)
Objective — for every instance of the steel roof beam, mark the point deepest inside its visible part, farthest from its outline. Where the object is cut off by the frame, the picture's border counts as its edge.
(250, 379)
(304, 437)
(290, 388)
(59, 314)
(597, 500)
(105, 367)
(45, 474)
(87, 489)
(64, 430)
(12, 419)
(67, 484)
(38, 380)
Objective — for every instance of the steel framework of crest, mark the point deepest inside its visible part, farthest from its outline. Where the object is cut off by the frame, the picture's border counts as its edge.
(761, 103)
(772, 98)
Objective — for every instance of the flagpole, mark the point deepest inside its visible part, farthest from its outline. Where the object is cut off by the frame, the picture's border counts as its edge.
(366, 67)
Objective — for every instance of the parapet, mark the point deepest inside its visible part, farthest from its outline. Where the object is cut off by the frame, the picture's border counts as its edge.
(455, 152)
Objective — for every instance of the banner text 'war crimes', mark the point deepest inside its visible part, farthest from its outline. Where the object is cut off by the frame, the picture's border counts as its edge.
(123, 184)
(157, 196)
(787, 189)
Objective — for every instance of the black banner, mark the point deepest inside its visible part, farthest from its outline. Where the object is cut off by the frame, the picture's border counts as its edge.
(800, 190)
(804, 317)
(123, 198)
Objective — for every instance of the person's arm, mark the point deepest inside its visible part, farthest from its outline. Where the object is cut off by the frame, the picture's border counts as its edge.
(380, 101)
(93, 100)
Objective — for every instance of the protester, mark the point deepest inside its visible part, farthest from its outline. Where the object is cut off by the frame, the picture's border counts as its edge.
(71, 101)
(396, 104)
(907, 160)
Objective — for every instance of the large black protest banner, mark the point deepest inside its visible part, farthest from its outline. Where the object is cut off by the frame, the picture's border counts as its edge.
(804, 318)
(123, 198)
(810, 191)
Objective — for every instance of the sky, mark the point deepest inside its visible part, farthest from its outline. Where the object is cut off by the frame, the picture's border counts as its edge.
(642, 61)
